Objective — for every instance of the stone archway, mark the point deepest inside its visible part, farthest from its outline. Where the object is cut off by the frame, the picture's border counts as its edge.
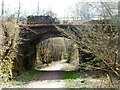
(31, 35)
(29, 38)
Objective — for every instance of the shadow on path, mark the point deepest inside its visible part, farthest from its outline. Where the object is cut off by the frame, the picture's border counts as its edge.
(56, 75)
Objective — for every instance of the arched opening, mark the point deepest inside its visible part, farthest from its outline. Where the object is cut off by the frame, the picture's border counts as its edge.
(30, 38)
(56, 49)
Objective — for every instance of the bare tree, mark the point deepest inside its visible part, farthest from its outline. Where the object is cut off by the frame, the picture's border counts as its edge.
(38, 9)
(8, 52)
(99, 40)
(119, 32)
(19, 11)
(2, 9)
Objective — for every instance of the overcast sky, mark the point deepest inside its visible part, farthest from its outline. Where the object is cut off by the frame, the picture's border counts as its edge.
(60, 7)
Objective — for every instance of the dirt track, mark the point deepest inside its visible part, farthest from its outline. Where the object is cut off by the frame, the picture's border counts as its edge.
(50, 77)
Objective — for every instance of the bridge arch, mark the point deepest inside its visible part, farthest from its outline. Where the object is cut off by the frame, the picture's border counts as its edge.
(30, 36)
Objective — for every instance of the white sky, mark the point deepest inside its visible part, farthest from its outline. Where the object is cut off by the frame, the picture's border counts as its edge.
(60, 7)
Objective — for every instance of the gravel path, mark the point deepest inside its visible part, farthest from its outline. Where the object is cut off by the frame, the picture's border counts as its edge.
(50, 77)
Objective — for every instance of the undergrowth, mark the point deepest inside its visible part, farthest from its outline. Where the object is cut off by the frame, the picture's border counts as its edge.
(87, 79)
(74, 79)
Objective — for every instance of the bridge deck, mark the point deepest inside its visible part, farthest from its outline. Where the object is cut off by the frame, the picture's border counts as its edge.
(48, 25)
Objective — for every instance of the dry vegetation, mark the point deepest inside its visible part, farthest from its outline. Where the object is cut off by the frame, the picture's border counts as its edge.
(102, 42)
(7, 46)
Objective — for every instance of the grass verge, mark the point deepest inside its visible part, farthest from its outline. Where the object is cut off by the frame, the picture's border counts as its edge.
(71, 74)
(87, 79)
(26, 76)
(74, 79)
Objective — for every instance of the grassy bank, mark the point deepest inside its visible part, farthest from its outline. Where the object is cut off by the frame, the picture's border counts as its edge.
(87, 79)
(26, 76)
(74, 79)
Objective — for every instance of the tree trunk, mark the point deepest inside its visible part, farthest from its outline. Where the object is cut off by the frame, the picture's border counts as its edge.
(80, 56)
(118, 32)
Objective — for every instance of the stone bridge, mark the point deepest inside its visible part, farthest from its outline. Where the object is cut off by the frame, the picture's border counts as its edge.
(31, 34)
